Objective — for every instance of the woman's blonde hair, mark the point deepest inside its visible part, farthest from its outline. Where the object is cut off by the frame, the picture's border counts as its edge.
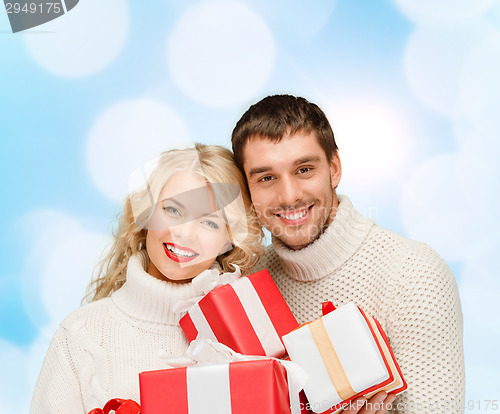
(216, 165)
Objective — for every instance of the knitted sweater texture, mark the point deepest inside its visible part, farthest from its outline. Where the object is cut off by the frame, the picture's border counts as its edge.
(402, 283)
(98, 351)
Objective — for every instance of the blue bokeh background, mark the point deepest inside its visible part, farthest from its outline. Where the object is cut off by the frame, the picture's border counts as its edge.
(411, 88)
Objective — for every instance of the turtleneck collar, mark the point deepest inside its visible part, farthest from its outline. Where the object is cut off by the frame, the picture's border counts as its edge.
(147, 298)
(331, 250)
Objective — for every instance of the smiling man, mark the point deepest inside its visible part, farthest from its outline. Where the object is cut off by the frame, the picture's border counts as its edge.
(292, 183)
(323, 249)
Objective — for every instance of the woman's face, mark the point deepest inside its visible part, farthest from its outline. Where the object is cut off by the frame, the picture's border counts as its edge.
(186, 233)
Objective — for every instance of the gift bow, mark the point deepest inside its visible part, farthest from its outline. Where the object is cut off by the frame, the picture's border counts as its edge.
(119, 406)
(205, 282)
(205, 351)
(327, 307)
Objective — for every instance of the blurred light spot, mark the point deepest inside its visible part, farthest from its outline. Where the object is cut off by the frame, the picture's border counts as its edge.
(480, 274)
(479, 177)
(372, 138)
(15, 391)
(37, 352)
(221, 53)
(41, 230)
(127, 135)
(67, 271)
(479, 294)
(296, 19)
(480, 85)
(441, 10)
(60, 257)
(435, 210)
(435, 56)
(83, 41)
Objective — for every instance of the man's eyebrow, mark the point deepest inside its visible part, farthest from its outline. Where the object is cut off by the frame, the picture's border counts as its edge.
(258, 170)
(303, 160)
(306, 159)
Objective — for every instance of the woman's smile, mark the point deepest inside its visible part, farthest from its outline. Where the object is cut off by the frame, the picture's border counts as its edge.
(178, 253)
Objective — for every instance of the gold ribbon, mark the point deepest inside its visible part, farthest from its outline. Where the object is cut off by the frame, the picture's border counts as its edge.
(331, 360)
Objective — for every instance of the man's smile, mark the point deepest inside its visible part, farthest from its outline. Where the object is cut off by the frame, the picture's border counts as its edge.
(294, 217)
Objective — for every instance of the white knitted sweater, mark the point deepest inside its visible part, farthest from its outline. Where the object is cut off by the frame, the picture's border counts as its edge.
(99, 350)
(402, 283)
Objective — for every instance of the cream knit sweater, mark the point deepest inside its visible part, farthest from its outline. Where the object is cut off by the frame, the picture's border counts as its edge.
(99, 350)
(402, 283)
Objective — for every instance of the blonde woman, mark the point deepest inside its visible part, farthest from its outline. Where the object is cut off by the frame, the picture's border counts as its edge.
(193, 214)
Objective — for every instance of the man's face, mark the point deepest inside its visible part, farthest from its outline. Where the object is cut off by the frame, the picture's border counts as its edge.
(292, 186)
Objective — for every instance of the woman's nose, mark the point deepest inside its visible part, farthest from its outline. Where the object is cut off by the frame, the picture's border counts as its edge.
(184, 231)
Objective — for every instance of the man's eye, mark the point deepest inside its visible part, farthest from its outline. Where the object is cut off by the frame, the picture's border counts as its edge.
(267, 178)
(172, 210)
(303, 170)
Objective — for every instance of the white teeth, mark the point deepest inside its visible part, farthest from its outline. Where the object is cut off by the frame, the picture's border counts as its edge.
(294, 216)
(179, 252)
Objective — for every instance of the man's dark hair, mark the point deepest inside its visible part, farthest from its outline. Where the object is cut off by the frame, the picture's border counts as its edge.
(275, 116)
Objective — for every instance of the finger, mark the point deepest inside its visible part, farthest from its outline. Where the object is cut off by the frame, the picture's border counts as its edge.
(374, 403)
(387, 404)
(354, 406)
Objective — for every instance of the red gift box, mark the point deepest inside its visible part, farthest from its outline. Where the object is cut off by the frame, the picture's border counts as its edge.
(244, 387)
(248, 315)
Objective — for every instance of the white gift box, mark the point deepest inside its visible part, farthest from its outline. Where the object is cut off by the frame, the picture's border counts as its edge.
(346, 355)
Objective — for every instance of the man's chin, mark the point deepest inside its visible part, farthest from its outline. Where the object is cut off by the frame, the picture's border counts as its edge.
(297, 243)
(296, 238)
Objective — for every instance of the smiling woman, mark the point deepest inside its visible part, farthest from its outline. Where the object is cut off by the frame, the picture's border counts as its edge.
(192, 214)
(189, 234)
(184, 187)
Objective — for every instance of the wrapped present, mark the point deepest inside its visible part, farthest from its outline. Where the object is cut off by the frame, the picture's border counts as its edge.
(232, 387)
(347, 355)
(236, 384)
(249, 315)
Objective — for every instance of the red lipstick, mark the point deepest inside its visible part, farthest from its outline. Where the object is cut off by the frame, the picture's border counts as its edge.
(170, 249)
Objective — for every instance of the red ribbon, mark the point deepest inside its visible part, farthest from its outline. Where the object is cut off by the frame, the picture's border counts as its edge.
(119, 406)
(327, 307)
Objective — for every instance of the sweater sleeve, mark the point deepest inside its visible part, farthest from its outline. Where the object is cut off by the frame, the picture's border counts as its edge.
(57, 390)
(427, 336)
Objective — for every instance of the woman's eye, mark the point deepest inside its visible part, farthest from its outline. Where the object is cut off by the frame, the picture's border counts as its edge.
(211, 224)
(172, 210)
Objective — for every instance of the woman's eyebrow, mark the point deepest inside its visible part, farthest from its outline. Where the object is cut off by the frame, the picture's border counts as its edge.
(174, 201)
(208, 213)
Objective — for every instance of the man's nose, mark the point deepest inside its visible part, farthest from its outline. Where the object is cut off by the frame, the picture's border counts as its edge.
(289, 192)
